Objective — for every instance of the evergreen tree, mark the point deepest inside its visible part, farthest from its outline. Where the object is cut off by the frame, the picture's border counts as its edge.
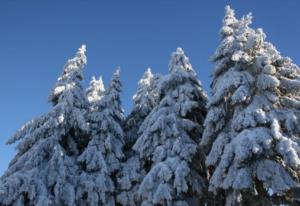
(43, 172)
(112, 119)
(252, 128)
(144, 102)
(132, 172)
(169, 139)
(102, 157)
(95, 186)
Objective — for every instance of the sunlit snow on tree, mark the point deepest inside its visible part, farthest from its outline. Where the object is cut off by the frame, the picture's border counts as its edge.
(96, 90)
(175, 147)
(43, 172)
(132, 172)
(169, 139)
(252, 128)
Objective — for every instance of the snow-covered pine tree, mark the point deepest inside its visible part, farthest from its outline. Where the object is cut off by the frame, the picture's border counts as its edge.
(95, 186)
(43, 170)
(112, 119)
(96, 90)
(169, 140)
(102, 157)
(252, 127)
(132, 172)
(144, 101)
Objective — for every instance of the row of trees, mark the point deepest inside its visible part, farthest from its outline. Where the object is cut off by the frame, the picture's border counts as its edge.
(176, 147)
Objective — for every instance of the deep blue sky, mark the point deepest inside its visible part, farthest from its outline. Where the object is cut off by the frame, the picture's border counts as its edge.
(37, 37)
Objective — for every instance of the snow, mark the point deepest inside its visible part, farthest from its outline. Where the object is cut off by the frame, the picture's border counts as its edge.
(96, 90)
(251, 130)
(176, 147)
(166, 139)
(144, 100)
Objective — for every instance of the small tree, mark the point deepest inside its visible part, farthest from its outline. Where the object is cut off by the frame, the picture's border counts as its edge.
(102, 158)
(252, 128)
(132, 172)
(95, 186)
(111, 119)
(169, 140)
(43, 172)
(144, 102)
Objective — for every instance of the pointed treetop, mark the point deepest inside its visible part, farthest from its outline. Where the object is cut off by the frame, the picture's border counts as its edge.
(75, 65)
(71, 76)
(115, 83)
(143, 86)
(148, 72)
(229, 22)
(147, 77)
(229, 12)
(96, 89)
(117, 72)
(82, 50)
(179, 62)
(80, 57)
(229, 17)
(81, 53)
(112, 100)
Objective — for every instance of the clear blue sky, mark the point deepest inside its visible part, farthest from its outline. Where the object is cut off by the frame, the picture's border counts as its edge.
(37, 37)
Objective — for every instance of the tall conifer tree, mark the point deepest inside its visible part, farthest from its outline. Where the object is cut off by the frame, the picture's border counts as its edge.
(132, 172)
(252, 128)
(169, 140)
(43, 172)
